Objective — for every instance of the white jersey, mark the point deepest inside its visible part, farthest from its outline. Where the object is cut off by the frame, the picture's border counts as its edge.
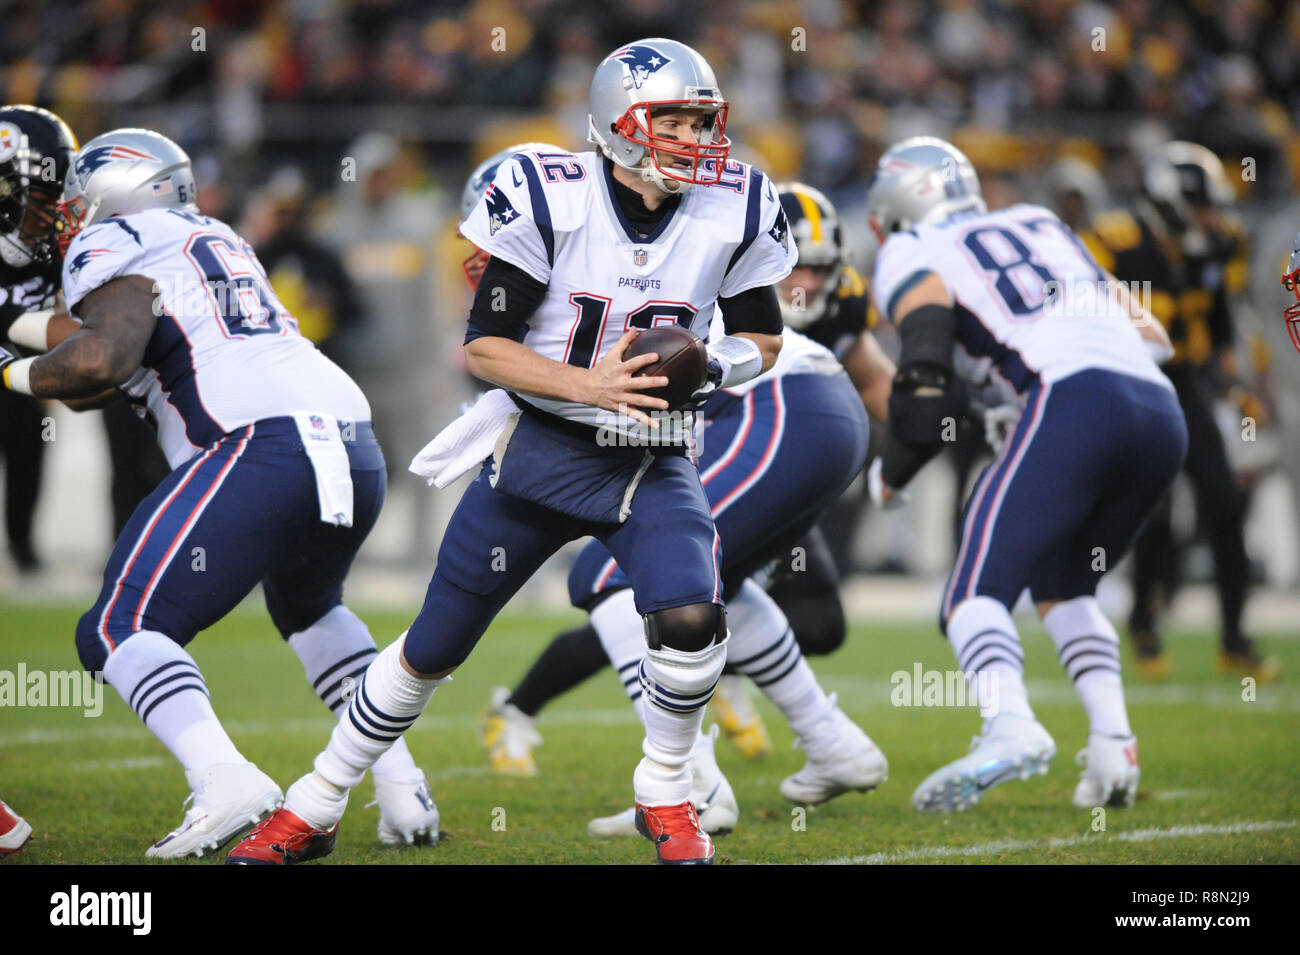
(225, 352)
(1030, 301)
(799, 355)
(555, 216)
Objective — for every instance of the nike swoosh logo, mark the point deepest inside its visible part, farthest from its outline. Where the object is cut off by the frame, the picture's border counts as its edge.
(515, 175)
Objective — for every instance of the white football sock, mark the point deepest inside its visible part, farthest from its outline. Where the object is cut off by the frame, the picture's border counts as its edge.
(763, 647)
(622, 633)
(1088, 648)
(335, 652)
(160, 681)
(677, 685)
(988, 652)
(387, 701)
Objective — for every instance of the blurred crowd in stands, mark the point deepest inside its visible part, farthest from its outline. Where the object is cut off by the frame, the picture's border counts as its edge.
(336, 134)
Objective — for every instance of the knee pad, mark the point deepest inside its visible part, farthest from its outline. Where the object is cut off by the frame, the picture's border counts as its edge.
(690, 629)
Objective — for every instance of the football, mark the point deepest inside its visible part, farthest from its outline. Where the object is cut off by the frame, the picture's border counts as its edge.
(682, 360)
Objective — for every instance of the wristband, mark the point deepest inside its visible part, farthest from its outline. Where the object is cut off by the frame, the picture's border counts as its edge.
(31, 329)
(17, 376)
(740, 359)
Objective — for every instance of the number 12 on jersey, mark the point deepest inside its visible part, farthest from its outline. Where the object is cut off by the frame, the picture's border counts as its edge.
(593, 317)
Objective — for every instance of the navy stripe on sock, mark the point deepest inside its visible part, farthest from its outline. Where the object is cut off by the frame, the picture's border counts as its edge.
(144, 682)
(197, 687)
(369, 651)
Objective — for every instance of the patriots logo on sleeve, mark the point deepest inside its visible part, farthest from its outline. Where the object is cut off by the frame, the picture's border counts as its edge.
(92, 159)
(780, 231)
(641, 61)
(500, 211)
(82, 258)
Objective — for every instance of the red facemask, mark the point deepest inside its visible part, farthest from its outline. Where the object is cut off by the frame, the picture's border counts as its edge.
(705, 159)
(1291, 282)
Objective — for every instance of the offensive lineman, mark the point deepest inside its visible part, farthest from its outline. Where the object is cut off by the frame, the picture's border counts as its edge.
(276, 474)
(585, 249)
(1099, 440)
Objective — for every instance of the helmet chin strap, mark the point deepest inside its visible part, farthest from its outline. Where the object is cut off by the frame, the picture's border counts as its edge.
(650, 173)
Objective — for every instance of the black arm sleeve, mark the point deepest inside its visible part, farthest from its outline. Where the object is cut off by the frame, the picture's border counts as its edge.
(506, 298)
(918, 423)
(754, 310)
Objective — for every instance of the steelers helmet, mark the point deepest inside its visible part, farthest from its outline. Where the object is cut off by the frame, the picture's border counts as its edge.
(815, 227)
(35, 149)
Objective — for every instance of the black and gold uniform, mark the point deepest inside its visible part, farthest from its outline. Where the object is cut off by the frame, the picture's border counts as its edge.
(847, 316)
(1187, 284)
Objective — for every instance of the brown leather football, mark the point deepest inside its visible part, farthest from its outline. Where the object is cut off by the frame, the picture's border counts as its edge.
(682, 360)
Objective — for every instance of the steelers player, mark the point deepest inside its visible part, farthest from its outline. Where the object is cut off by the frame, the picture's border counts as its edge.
(1183, 240)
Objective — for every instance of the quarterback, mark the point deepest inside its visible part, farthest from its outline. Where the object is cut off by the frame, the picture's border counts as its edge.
(658, 226)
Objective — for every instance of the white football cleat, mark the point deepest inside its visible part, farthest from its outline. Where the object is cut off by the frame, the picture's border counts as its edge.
(1111, 774)
(841, 758)
(227, 799)
(1011, 747)
(408, 815)
(14, 831)
(509, 735)
(711, 795)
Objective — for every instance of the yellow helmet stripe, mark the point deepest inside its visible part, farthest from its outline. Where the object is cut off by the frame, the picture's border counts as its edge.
(812, 212)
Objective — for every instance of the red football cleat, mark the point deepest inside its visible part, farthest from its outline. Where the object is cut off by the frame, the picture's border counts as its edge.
(14, 831)
(676, 833)
(283, 839)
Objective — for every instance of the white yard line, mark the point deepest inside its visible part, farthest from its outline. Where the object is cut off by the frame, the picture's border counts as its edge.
(429, 722)
(923, 853)
(130, 762)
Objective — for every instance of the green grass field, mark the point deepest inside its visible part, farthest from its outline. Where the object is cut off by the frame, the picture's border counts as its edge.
(1219, 774)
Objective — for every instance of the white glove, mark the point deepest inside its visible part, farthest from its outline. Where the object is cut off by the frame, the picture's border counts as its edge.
(883, 496)
(999, 421)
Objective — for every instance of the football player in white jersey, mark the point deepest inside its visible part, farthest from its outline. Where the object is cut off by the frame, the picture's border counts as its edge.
(277, 477)
(656, 227)
(1014, 296)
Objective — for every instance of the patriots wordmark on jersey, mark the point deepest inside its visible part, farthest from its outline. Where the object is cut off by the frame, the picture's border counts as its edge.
(554, 215)
(1031, 303)
(225, 351)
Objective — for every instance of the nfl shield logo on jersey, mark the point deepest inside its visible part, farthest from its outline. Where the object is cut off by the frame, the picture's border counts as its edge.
(640, 257)
(317, 422)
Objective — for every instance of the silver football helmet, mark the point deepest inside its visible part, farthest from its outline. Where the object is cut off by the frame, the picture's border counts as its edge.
(921, 180)
(653, 76)
(486, 171)
(125, 171)
(815, 227)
